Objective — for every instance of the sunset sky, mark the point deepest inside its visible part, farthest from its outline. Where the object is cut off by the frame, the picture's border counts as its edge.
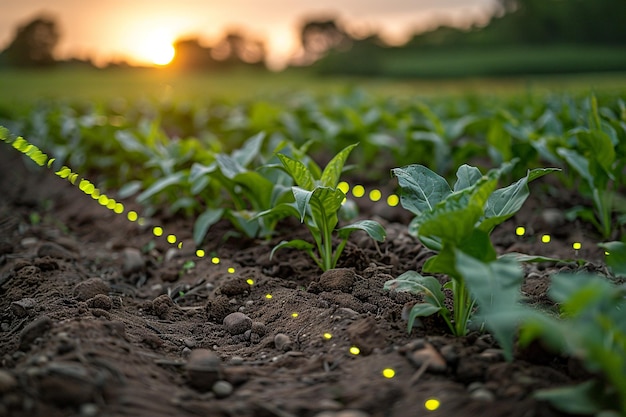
(135, 30)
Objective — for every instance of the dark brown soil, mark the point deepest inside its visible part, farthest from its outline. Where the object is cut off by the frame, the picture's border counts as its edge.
(100, 318)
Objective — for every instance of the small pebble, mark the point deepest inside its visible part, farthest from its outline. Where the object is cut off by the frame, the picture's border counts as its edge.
(7, 381)
(89, 410)
(282, 342)
(132, 261)
(236, 360)
(483, 394)
(237, 323)
(222, 389)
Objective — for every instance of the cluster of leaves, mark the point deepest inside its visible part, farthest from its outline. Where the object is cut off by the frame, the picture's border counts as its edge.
(318, 201)
(456, 223)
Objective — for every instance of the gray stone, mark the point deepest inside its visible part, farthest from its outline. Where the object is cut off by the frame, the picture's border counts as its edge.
(237, 323)
(282, 342)
(204, 369)
(132, 261)
(222, 389)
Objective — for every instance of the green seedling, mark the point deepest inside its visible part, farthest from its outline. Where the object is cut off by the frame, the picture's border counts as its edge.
(317, 205)
(591, 327)
(598, 156)
(456, 224)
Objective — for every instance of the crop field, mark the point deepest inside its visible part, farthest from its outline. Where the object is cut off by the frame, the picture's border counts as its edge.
(260, 244)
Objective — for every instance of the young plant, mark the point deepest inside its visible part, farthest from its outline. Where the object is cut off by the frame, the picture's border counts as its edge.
(317, 203)
(590, 327)
(456, 223)
(598, 157)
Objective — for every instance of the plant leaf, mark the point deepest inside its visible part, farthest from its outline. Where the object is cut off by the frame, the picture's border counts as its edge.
(161, 184)
(413, 282)
(421, 189)
(204, 222)
(228, 165)
(295, 244)
(505, 202)
(466, 177)
(420, 310)
(298, 171)
(586, 398)
(250, 150)
(371, 227)
(332, 172)
(496, 287)
(325, 203)
(616, 258)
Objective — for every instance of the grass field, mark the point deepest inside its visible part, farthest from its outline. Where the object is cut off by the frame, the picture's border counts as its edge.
(23, 87)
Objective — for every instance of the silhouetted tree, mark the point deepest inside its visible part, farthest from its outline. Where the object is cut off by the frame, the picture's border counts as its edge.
(33, 44)
(190, 55)
(318, 37)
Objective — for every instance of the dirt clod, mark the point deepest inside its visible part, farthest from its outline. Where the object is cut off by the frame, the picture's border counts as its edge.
(89, 288)
(204, 369)
(341, 279)
(33, 331)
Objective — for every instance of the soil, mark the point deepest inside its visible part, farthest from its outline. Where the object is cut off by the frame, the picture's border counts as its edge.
(100, 318)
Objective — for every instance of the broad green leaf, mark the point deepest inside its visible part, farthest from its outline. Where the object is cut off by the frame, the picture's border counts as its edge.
(161, 184)
(466, 177)
(421, 189)
(616, 257)
(228, 166)
(442, 263)
(413, 282)
(576, 292)
(420, 310)
(479, 246)
(199, 170)
(257, 188)
(453, 219)
(332, 172)
(295, 244)
(204, 222)
(578, 162)
(298, 171)
(371, 227)
(279, 211)
(597, 145)
(505, 202)
(250, 150)
(303, 198)
(325, 203)
(521, 257)
(495, 286)
(586, 398)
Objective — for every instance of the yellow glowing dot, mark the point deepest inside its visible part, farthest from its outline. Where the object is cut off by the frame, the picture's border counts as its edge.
(344, 186)
(231, 270)
(389, 373)
(157, 231)
(111, 204)
(215, 260)
(103, 200)
(432, 404)
(358, 191)
(132, 216)
(294, 315)
(200, 253)
(89, 189)
(355, 350)
(96, 194)
(606, 253)
(171, 239)
(327, 336)
(520, 231)
(577, 245)
(268, 296)
(250, 281)
(393, 200)
(375, 195)
(50, 162)
(344, 201)
(545, 238)
(180, 245)
(119, 208)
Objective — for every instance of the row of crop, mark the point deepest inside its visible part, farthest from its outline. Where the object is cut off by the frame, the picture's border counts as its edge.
(455, 223)
(163, 148)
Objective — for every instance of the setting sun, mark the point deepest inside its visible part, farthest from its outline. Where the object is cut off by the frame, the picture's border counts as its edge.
(159, 52)
(156, 48)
